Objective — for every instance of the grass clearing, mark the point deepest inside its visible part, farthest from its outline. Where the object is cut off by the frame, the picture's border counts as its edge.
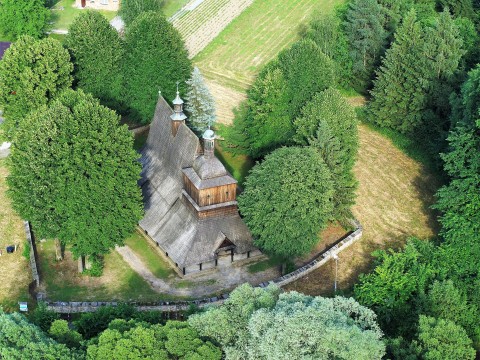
(119, 282)
(14, 268)
(237, 165)
(393, 203)
(182, 284)
(254, 38)
(264, 265)
(62, 19)
(149, 256)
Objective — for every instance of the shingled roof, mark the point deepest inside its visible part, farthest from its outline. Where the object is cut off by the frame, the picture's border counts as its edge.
(168, 219)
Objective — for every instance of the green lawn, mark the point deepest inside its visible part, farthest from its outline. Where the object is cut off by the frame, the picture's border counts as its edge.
(119, 282)
(256, 37)
(264, 265)
(63, 18)
(146, 251)
(170, 7)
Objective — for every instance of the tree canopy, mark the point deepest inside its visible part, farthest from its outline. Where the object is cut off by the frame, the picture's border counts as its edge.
(20, 339)
(175, 340)
(259, 323)
(32, 72)
(155, 59)
(26, 17)
(287, 201)
(131, 9)
(97, 55)
(74, 174)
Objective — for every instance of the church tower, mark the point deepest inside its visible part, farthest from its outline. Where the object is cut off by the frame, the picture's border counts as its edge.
(178, 117)
(208, 187)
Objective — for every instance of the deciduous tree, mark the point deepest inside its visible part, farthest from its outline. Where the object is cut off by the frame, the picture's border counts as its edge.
(26, 17)
(287, 201)
(131, 9)
(97, 54)
(32, 72)
(259, 323)
(19, 340)
(155, 59)
(74, 174)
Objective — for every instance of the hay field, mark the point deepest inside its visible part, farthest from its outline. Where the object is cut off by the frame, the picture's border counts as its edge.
(15, 272)
(256, 37)
(231, 61)
(394, 198)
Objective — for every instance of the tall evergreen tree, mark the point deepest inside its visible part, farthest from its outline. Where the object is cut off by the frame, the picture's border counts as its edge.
(367, 39)
(32, 73)
(74, 174)
(329, 124)
(97, 55)
(199, 102)
(155, 59)
(419, 60)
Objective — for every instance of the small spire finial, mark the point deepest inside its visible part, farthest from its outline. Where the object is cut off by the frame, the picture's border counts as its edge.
(159, 93)
(178, 82)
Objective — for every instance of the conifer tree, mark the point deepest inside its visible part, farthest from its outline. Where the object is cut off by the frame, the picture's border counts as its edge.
(200, 104)
(419, 60)
(367, 39)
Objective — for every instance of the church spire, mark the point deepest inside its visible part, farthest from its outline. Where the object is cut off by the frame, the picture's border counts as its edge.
(178, 117)
(208, 143)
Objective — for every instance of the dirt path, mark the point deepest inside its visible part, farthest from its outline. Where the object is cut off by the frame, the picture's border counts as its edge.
(139, 267)
(199, 285)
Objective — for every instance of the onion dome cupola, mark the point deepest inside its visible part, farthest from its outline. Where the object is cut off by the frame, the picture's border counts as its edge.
(208, 143)
(178, 117)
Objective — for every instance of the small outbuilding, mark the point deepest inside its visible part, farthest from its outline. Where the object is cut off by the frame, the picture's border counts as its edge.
(112, 5)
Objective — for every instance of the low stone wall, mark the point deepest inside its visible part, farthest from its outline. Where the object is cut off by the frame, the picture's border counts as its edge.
(33, 254)
(178, 306)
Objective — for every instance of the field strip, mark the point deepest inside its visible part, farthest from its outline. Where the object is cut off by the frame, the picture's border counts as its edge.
(205, 20)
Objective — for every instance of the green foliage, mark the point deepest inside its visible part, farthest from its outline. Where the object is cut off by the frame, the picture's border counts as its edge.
(287, 201)
(329, 124)
(445, 301)
(64, 335)
(155, 58)
(32, 72)
(303, 76)
(175, 340)
(459, 8)
(326, 31)
(392, 288)
(96, 268)
(26, 17)
(261, 324)
(276, 97)
(200, 104)
(74, 174)
(131, 9)
(91, 324)
(20, 340)
(442, 339)
(265, 124)
(367, 40)
(42, 317)
(97, 54)
(415, 70)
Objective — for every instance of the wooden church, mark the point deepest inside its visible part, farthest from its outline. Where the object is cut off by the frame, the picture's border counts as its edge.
(190, 198)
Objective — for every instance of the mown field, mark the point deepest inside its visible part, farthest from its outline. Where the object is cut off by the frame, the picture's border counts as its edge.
(14, 268)
(394, 198)
(256, 37)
